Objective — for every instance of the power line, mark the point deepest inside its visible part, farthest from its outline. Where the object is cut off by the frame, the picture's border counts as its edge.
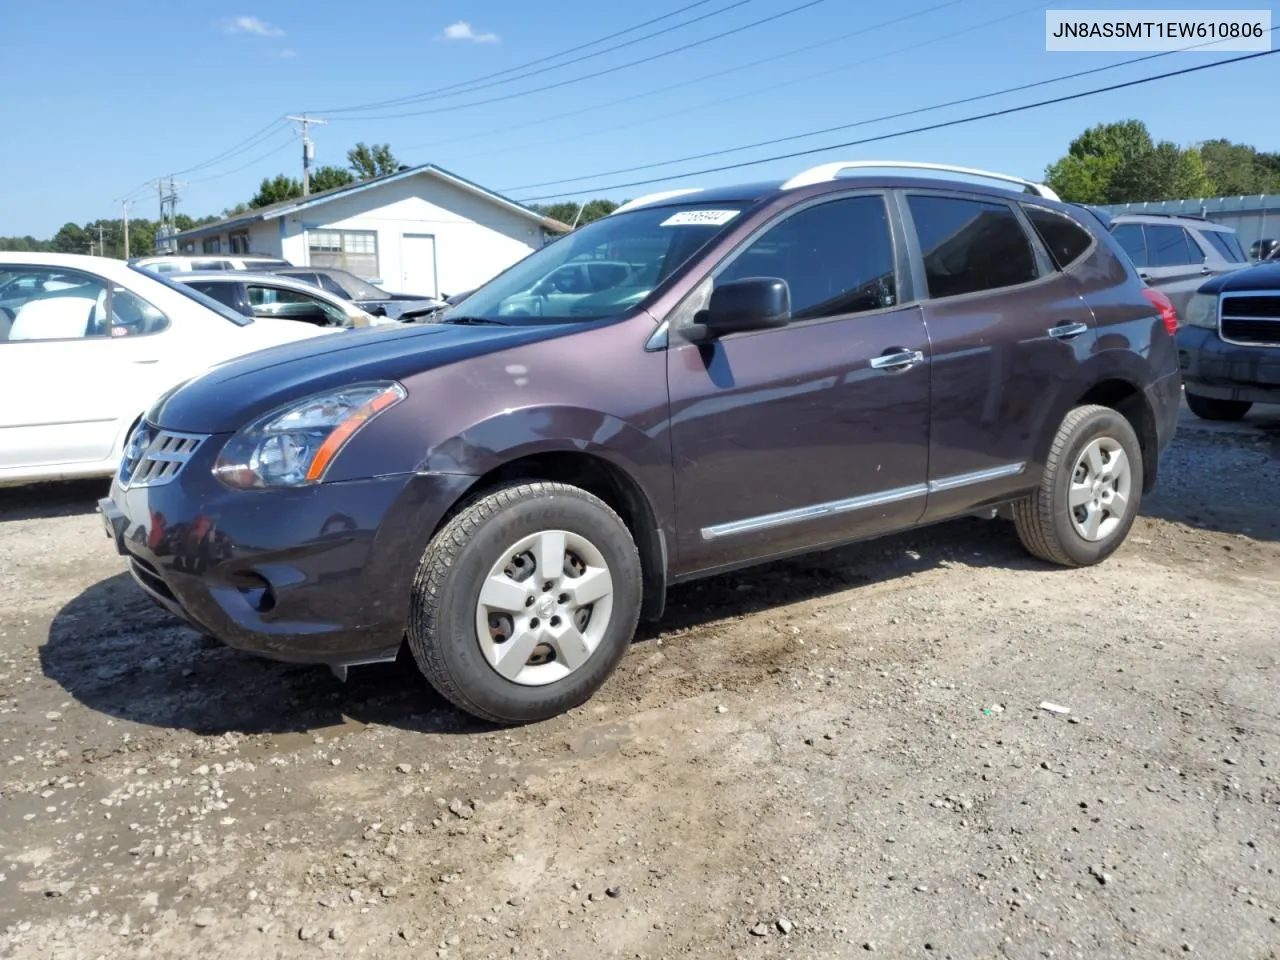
(870, 120)
(715, 75)
(226, 173)
(482, 83)
(599, 73)
(247, 143)
(924, 129)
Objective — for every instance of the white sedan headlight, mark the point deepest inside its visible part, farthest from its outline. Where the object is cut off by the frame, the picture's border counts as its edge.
(294, 445)
(1202, 310)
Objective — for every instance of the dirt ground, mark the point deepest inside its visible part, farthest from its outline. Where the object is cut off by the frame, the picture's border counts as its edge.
(837, 756)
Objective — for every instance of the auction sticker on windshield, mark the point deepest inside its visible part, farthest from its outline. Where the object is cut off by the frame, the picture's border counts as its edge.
(699, 218)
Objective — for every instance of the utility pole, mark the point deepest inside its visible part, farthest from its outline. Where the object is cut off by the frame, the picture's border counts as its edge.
(308, 148)
(124, 209)
(168, 209)
(102, 249)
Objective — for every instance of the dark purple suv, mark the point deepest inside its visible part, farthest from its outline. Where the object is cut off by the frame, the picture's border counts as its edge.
(701, 381)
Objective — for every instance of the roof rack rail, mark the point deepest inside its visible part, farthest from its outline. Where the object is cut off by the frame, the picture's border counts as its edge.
(829, 171)
(1152, 213)
(654, 198)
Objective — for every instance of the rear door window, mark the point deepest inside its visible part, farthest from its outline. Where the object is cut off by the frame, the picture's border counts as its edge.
(228, 293)
(1170, 247)
(1134, 242)
(970, 245)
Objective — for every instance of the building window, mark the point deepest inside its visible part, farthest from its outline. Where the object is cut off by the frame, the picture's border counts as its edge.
(211, 245)
(187, 246)
(353, 250)
(239, 241)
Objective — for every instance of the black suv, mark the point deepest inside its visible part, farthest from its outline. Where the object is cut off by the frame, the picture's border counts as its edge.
(758, 371)
(1229, 346)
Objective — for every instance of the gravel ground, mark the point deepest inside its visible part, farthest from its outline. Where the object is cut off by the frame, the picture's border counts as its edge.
(840, 755)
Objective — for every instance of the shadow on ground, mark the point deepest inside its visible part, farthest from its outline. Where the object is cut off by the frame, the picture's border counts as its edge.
(40, 500)
(117, 653)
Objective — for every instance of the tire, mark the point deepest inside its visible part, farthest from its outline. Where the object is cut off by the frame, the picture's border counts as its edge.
(1048, 526)
(1208, 408)
(465, 555)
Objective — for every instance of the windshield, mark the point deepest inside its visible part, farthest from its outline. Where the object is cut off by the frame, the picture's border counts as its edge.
(600, 270)
(357, 288)
(221, 309)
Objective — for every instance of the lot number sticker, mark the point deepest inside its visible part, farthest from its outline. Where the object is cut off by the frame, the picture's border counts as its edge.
(700, 218)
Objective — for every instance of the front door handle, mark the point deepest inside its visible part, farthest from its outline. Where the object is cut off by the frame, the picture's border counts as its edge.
(897, 358)
(1068, 331)
(148, 360)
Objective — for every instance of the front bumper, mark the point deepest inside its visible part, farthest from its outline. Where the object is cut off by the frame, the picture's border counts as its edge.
(319, 574)
(1214, 368)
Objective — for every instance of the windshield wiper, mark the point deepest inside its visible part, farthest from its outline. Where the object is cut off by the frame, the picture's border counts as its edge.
(470, 321)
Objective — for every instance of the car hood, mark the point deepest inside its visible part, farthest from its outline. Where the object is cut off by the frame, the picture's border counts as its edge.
(1261, 276)
(229, 395)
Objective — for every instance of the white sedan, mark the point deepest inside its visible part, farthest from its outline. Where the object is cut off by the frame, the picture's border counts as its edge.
(88, 343)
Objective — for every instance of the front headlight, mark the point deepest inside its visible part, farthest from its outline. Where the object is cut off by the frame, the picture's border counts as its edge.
(294, 445)
(1202, 310)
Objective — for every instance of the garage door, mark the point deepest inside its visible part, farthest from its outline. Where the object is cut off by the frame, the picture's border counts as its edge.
(418, 264)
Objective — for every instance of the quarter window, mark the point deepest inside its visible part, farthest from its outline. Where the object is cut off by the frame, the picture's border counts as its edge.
(1226, 244)
(354, 250)
(1065, 239)
(970, 245)
(837, 259)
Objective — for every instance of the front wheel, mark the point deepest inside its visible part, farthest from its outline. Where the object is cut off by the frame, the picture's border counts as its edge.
(1209, 408)
(525, 602)
(1090, 491)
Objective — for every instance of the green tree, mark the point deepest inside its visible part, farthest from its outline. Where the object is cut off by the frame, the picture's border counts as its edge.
(568, 211)
(70, 238)
(1237, 169)
(372, 161)
(1119, 163)
(274, 189)
(330, 178)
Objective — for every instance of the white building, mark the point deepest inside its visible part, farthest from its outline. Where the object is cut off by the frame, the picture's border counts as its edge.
(421, 230)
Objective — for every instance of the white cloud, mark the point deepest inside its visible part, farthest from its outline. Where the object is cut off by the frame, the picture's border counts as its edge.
(254, 25)
(461, 30)
(288, 53)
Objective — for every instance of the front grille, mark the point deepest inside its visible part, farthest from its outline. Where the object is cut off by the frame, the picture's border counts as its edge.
(153, 457)
(1251, 318)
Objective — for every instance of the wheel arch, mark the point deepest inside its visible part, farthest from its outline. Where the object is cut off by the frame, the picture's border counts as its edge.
(582, 464)
(1123, 394)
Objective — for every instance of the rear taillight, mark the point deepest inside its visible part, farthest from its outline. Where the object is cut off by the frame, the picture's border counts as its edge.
(1165, 306)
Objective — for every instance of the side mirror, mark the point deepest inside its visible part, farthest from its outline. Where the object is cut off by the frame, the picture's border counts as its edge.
(755, 303)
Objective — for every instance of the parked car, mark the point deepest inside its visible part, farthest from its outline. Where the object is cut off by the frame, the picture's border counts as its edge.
(270, 295)
(1175, 254)
(1267, 249)
(1229, 345)
(208, 261)
(370, 298)
(796, 366)
(87, 344)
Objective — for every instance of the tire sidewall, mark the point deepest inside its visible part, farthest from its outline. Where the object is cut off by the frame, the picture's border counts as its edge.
(457, 641)
(1106, 423)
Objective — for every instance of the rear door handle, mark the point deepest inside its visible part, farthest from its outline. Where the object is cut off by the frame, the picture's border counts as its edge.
(1068, 331)
(149, 360)
(897, 358)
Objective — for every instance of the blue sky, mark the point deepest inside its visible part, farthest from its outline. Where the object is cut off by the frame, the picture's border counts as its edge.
(103, 97)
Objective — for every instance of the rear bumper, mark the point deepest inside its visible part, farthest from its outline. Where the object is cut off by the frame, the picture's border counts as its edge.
(1225, 371)
(320, 574)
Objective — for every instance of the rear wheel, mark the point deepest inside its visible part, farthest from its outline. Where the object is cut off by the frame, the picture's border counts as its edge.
(525, 602)
(1209, 408)
(1090, 491)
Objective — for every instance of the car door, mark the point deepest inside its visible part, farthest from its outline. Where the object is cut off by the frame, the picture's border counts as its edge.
(1175, 263)
(75, 353)
(1005, 326)
(811, 433)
